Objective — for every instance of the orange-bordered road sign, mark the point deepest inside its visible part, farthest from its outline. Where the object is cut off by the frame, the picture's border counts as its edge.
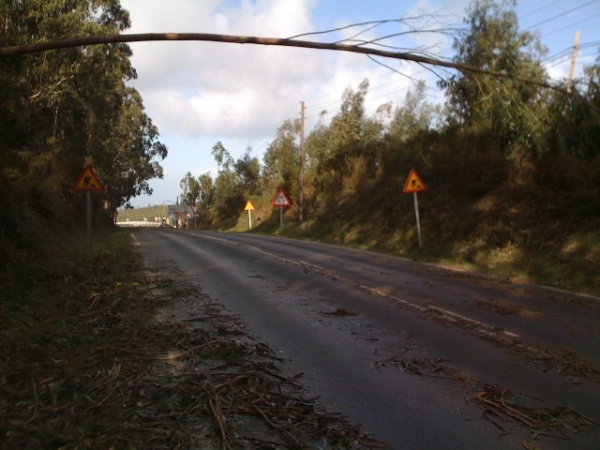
(414, 183)
(89, 181)
(282, 199)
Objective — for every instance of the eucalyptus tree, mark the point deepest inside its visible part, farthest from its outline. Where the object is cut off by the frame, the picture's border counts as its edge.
(190, 188)
(347, 126)
(281, 161)
(316, 146)
(207, 187)
(512, 110)
(589, 126)
(70, 107)
(130, 153)
(227, 199)
(247, 169)
(576, 117)
(415, 116)
(410, 136)
(346, 152)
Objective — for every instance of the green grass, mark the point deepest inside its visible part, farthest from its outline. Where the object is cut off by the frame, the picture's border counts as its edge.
(139, 214)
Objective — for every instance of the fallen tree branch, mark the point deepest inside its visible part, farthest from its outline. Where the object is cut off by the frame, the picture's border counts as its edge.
(257, 40)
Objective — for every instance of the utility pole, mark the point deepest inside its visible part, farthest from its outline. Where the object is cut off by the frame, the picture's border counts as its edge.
(301, 161)
(573, 60)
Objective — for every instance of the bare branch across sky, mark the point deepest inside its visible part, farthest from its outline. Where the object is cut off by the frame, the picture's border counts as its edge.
(286, 42)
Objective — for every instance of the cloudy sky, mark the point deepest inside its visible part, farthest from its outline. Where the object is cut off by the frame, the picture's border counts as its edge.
(199, 93)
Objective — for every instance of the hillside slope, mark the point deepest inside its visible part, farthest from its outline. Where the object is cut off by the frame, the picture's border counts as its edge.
(515, 231)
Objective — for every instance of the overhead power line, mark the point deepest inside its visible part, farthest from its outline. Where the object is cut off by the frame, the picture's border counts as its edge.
(541, 8)
(567, 52)
(559, 15)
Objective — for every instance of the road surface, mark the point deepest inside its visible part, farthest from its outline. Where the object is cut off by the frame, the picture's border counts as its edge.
(418, 355)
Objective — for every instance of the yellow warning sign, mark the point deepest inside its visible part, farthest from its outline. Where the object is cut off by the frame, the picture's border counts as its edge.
(249, 206)
(414, 183)
(89, 181)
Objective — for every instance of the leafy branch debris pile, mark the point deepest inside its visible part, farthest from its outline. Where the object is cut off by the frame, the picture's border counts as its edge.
(86, 361)
(552, 422)
(498, 403)
(565, 362)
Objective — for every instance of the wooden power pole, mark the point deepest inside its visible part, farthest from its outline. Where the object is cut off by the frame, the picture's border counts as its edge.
(573, 61)
(301, 209)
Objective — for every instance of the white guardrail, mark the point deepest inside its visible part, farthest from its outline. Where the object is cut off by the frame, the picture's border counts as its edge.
(138, 224)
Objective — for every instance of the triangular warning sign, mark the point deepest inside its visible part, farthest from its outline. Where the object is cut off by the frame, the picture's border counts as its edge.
(88, 181)
(249, 206)
(414, 183)
(282, 199)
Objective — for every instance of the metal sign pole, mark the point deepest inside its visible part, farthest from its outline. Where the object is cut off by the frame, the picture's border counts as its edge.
(89, 223)
(281, 219)
(89, 182)
(249, 207)
(417, 215)
(281, 200)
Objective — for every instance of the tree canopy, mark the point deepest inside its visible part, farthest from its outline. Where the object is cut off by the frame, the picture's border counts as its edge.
(503, 121)
(491, 130)
(62, 110)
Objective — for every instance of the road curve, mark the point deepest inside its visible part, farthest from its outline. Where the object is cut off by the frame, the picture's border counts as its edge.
(416, 354)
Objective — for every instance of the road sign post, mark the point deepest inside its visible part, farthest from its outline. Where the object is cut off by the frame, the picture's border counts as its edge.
(282, 200)
(414, 184)
(416, 201)
(89, 182)
(88, 246)
(249, 207)
(195, 212)
(281, 219)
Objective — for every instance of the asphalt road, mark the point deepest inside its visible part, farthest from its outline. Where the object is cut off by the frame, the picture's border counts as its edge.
(418, 355)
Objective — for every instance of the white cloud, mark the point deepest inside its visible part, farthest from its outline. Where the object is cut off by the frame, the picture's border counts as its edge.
(203, 88)
(199, 88)
(198, 93)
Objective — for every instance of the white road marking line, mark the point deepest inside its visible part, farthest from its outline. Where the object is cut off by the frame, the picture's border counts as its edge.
(443, 312)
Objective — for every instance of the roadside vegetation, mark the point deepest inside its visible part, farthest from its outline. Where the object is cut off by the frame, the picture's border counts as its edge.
(63, 110)
(512, 168)
(513, 177)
